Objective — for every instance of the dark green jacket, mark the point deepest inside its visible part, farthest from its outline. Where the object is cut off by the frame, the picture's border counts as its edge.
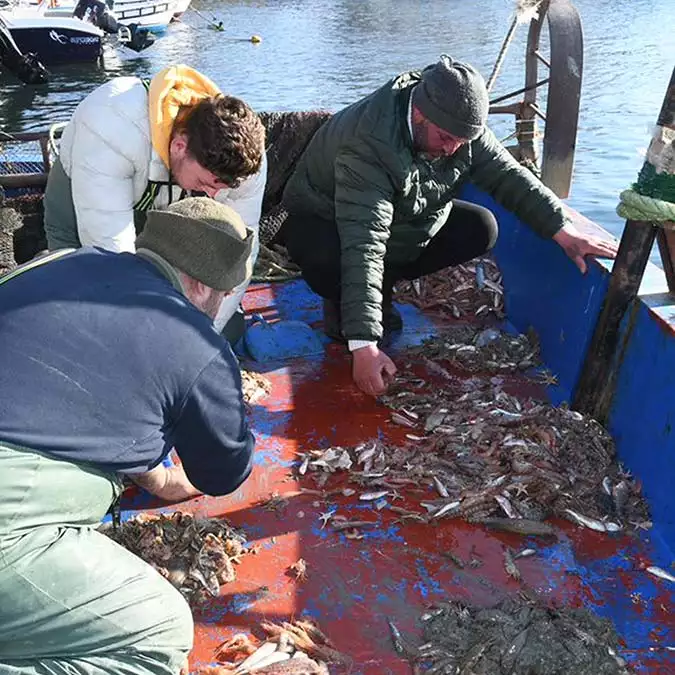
(360, 169)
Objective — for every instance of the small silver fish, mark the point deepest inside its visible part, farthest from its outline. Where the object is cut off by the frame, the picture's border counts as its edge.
(445, 509)
(402, 420)
(304, 466)
(525, 553)
(520, 526)
(620, 495)
(505, 414)
(258, 655)
(660, 573)
(480, 276)
(506, 506)
(607, 485)
(514, 443)
(593, 524)
(435, 419)
(496, 482)
(372, 496)
(442, 490)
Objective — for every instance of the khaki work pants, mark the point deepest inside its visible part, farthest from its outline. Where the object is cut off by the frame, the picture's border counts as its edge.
(73, 602)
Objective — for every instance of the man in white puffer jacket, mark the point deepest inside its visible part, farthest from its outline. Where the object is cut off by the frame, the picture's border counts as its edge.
(132, 145)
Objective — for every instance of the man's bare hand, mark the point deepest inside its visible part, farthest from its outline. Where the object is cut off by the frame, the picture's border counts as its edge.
(372, 370)
(578, 245)
(168, 483)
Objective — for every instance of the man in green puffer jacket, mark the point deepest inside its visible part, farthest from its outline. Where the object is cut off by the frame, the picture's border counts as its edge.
(372, 201)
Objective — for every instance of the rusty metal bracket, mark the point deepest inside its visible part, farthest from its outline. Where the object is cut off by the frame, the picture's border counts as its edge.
(561, 116)
(564, 93)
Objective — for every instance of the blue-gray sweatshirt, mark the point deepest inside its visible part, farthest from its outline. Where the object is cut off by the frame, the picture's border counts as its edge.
(104, 362)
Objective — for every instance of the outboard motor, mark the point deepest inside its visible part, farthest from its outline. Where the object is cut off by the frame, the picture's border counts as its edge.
(98, 13)
(139, 38)
(27, 67)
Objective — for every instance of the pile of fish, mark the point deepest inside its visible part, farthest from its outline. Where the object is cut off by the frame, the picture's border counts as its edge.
(474, 349)
(297, 648)
(197, 555)
(474, 289)
(476, 452)
(519, 635)
(255, 386)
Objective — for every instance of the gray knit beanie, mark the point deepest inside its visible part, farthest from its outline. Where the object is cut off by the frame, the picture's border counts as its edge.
(453, 96)
(202, 238)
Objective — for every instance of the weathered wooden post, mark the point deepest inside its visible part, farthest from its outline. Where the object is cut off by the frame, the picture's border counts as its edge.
(650, 209)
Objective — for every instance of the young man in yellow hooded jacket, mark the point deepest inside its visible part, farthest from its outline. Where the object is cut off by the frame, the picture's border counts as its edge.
(132, 145)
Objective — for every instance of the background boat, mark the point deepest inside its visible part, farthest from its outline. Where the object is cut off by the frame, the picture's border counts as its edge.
(152, 14)
(56, 39)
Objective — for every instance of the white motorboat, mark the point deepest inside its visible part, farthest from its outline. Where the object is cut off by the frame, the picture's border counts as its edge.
(155, 15)
(60, 37)
(55, 39)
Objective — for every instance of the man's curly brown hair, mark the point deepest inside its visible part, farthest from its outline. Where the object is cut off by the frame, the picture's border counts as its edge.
(225, 136)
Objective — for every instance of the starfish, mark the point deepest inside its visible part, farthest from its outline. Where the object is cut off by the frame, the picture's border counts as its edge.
(642, 524)
(521, 489)
(636, 598)
(548, 378)
(325, 517)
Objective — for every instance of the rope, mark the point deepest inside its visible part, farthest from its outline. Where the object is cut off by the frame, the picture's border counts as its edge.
(634, 206)
(502, 53)
(526, 10)
(652, 197)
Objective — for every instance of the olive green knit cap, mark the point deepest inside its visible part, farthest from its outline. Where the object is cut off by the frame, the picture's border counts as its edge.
(202, 238)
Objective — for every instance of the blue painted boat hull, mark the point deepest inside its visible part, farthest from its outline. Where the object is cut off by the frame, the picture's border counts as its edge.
(61, 46)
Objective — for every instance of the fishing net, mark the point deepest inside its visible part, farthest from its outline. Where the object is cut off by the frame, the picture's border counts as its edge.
(518, 635)
(287, 136)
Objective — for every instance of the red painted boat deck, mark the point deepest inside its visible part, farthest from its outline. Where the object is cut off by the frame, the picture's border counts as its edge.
(396, 570)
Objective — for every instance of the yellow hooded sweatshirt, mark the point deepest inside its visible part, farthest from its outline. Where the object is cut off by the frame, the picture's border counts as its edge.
(170, 90)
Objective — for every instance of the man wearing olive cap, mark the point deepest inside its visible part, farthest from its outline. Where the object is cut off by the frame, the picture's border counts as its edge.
(107, 362)
(373, 200)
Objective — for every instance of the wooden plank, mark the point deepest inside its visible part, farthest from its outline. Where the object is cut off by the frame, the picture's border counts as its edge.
(24, 180)
(595, 389)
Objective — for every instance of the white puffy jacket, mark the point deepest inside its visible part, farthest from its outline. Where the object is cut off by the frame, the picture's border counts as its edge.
(107, 153)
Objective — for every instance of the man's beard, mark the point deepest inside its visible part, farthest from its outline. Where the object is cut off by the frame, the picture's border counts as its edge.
(212, 304)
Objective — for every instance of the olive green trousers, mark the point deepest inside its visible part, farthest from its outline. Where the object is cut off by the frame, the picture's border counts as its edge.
(73, 602)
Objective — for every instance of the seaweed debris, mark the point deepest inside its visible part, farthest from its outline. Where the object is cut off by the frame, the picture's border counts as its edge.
(197, 555)
(255, 386)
